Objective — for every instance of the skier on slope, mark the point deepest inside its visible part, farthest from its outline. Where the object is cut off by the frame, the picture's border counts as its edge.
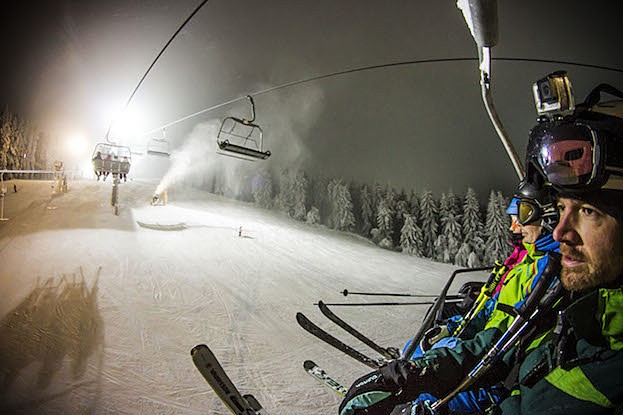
(574, 367)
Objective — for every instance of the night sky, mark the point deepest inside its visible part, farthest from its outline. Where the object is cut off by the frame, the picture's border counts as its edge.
(70, 65)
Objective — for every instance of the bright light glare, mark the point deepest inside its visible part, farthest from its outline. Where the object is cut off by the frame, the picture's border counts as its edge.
(76, 145)
(127, 126)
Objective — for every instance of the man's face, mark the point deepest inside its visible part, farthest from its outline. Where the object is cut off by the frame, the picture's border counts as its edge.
(591, 244)
(531, 232)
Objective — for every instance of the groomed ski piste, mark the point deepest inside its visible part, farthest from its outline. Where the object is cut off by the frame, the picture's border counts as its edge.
(99, 313)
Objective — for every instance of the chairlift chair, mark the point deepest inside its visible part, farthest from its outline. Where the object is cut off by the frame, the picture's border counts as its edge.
(159, 147)
(112, 158)
(242, 138)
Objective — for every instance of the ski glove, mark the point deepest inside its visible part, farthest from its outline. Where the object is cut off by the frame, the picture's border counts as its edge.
(432, 336)
(377, 393)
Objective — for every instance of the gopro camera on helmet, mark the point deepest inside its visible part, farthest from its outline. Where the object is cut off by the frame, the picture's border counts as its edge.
(553, 95)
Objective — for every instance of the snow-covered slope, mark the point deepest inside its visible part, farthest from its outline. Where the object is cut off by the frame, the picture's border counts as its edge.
(99, 314)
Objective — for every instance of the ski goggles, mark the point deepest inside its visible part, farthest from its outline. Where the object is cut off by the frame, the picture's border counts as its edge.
(530, 210)
(570, 156)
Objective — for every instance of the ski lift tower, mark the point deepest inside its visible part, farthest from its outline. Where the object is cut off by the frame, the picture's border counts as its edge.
(2, 195)
(242, 138)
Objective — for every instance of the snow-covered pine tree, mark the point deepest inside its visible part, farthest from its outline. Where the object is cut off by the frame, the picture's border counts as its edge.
(453, 204)
(390, 196)
(411, 239)
(473, 261)
(452, 231)
(332, 202)
(378, 194)
(441, 249)
(384, 223)
(503, 205)
(443, 210)
(414, 202)
(299, 195)
(496, 246)
(472, 224)
(7, 132)
(342, 210)
(462, 256)
(347, 217)
(284, 200)
(401, 209)
(264, 194)
(367, 211)
(428, 220)
(313, 216)
(318, 196)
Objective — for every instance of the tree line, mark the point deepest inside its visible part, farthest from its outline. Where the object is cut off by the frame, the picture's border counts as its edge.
(22, 145)
(450, 228)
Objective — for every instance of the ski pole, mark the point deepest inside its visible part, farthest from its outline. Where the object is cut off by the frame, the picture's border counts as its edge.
(485, 294)
(346, 292)
(374, 304)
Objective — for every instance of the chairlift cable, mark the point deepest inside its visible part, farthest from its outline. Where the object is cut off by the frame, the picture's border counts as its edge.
(374, 67)
(156, 59)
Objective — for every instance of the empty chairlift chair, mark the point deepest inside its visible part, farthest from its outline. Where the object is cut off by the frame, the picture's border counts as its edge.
(159, 147)
(242, 138)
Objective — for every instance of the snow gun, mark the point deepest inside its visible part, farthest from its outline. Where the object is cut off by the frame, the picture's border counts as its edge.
(547, 292)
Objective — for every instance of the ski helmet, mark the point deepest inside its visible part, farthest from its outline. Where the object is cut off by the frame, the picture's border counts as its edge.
(581, 155)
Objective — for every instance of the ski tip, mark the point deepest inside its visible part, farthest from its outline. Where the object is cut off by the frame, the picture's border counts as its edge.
(345, 292)
(308, 364)
(320, 304)
(253, 402)
(197, 348)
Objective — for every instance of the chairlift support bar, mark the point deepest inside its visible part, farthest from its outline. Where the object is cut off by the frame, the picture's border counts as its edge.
(481, 17)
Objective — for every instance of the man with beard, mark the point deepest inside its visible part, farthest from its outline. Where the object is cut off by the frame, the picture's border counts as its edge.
(579, 370)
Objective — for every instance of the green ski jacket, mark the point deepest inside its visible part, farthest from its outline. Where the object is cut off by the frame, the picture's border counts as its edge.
(579, 370)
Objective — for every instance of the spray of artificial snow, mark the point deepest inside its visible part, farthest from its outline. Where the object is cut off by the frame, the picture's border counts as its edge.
(284, 118)
(196, 157)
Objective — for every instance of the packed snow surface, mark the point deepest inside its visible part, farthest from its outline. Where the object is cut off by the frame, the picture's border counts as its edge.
(99, 313)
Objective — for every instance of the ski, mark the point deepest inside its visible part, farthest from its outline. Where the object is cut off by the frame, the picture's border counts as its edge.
(319, 374)
(389, 353)
(210, 368)
(305, 323)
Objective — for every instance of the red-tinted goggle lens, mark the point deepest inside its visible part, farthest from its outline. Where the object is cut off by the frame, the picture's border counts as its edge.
(566, 154)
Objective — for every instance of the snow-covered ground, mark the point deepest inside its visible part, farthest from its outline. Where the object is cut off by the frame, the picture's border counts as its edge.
(99, 314)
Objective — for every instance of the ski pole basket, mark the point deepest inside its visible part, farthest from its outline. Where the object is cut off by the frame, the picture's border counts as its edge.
(242, 138)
